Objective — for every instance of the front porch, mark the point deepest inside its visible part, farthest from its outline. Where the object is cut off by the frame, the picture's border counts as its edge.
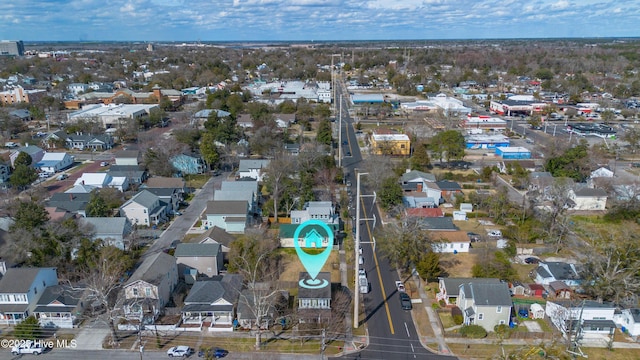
(215, 321)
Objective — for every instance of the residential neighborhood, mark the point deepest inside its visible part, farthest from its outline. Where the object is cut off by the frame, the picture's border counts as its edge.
(485, 215)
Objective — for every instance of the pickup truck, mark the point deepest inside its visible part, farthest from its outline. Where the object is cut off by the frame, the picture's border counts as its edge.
(27, 347)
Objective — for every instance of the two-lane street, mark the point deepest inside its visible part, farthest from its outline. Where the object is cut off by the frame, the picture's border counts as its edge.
(391, 331)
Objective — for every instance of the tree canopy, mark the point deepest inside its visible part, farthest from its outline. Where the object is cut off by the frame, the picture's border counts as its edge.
(449, 144)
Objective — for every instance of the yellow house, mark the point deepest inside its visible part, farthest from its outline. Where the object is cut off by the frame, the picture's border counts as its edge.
(385, 142)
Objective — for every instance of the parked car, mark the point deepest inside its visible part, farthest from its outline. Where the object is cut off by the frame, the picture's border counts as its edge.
(473, 237)
(44, 175)
(400, 286)
(27, 347)
(405, 301)
(532, 260)
(180, 351)
(62, 176)
(104, 163)
(494, 233)
(213, 353)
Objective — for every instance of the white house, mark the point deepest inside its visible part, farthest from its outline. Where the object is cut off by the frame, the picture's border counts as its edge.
(52, 162)
(100, 180)
(315, 210)
(601, 172)
(596, 317)
(252, 169)
(588, 199)
(144, 209)
(629, 320)
(450, 242)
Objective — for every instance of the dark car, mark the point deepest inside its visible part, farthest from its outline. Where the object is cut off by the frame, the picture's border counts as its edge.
(348, 153)
(532, 260)
(213, 353)
(405, 301)
(473, 237)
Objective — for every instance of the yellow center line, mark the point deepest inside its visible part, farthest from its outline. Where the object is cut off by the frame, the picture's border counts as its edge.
(375, 259)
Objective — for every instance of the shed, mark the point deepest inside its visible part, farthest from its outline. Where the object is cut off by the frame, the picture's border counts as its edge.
(459, 216)
(536, 311)
(466, 207)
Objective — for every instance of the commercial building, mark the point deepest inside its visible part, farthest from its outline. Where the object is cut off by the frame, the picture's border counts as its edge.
(484, 122)
(486, 141)
(19, 95)
(11, 47)
(595, 129)
(385, 142)
(513, 152)
(111, 115)
(513, 106)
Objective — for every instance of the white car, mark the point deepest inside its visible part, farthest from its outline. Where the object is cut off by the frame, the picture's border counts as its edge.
(183, 351)
(27, 347)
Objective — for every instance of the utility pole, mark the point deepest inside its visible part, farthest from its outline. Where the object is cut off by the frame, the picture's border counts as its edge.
(322, 347)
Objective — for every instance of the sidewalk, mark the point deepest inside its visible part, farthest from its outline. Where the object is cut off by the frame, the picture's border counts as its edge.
(434, 320)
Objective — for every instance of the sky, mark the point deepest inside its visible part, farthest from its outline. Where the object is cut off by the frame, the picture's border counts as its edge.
(314, 20)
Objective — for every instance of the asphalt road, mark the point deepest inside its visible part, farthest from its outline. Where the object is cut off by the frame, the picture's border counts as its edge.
(392, 334)
(181, 224)
(67, 354)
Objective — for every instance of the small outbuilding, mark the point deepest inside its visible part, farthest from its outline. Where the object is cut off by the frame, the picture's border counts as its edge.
(536, 311)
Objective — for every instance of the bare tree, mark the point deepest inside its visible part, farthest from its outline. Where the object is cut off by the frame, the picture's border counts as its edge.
(611, 263)
(254, 257)
(277, 171)
(379, 169)
(101, 279)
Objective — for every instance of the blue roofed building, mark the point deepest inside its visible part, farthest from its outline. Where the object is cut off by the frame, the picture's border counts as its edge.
(188, 164)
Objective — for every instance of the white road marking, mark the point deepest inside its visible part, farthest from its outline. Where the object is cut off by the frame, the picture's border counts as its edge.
(407, 328)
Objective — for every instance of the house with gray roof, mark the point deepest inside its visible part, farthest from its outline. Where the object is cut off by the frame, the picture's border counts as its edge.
(316, 210)
(89, 142)
(550, 271)
(588, 199)
(437, 224)
(416, 176)
(247, 186)
(216, 235)
(485, 304)
(211, 303)
(5, 174)
(205, 258)
(149, 288)
(170, 197)
(75, 203)
(136, 174)
(35, 152)
(20, 290)
(449, 288)
(230, 195)
(274, 304)
(60, 306)
(230, 215)
(314, 304)
(144, 209)
(128, 158)
(112, 230)
(254, 169)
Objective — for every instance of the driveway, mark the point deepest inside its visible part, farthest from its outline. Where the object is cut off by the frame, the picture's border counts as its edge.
(92, 336)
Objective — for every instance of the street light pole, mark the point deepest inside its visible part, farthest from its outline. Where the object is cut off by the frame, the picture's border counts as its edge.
(340, 136)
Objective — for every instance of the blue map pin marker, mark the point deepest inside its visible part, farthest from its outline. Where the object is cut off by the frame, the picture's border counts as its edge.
(312, 234)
